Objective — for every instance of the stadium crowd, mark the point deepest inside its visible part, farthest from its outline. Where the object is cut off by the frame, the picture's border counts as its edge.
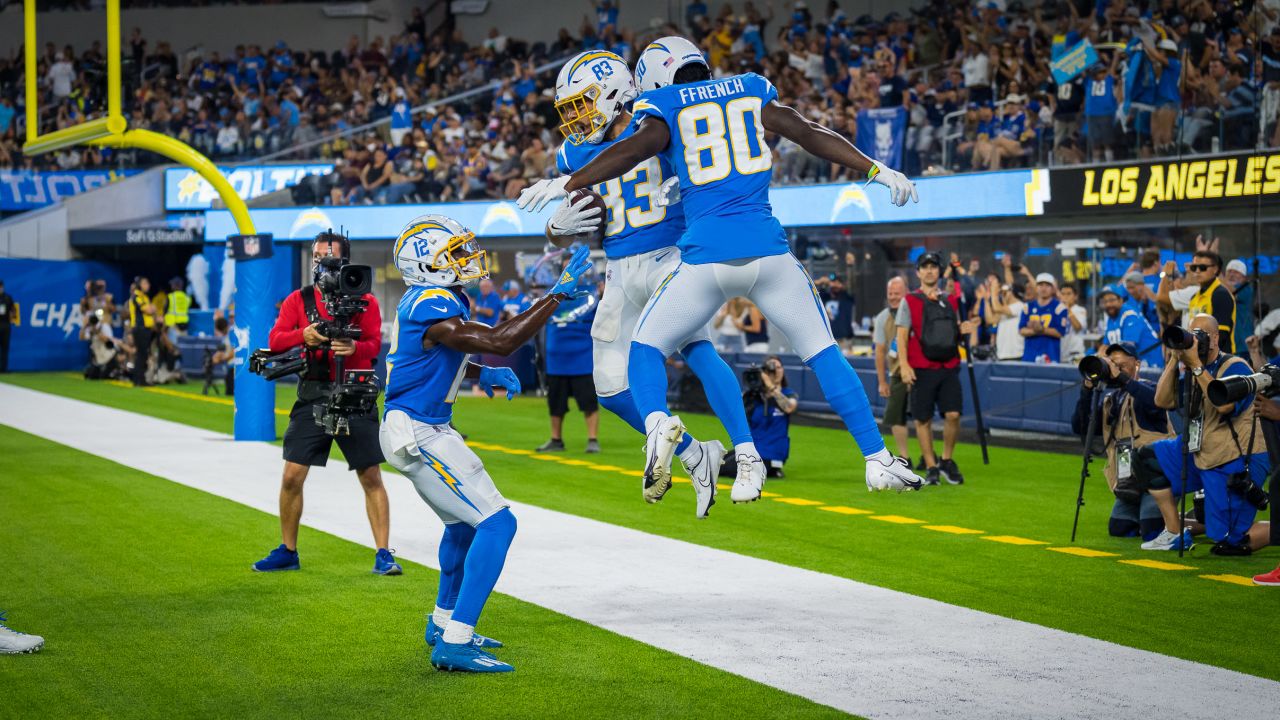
(974, 78)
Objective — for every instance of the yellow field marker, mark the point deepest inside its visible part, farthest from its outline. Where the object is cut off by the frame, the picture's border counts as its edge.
(843, 510)
(571, 461)
(722, 486)
(953, 530)
(1233, 579)
(897, 519)
(1013, 540)
(545, 458)
(1156, 565)
(512, 451)
(767, 494)
(1082, 552)
(796, 501)
(632, 473)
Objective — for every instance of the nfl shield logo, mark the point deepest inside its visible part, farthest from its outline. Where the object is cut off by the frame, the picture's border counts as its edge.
(251, 247)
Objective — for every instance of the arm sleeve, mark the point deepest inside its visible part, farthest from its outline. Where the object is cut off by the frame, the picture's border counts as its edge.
(1224, 311)
(370, 342)
(562, 159)
(1144, 395)
(903, 318)
(1023, 316)
(647, 105)
(761, 87)
(287, 332)
(1062, 321)
(1181, 298)
(877, 330)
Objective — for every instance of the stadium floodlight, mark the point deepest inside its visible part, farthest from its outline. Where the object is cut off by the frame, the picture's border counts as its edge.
(112, 130)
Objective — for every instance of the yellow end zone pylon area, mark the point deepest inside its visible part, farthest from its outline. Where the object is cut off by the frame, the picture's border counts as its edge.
(112, 130)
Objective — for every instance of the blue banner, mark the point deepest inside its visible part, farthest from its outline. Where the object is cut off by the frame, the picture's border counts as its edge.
(1073, 62)
(184, 189)
(47, 293)
(255, 314)
(881, 134)
(948, 197)
(28, 190)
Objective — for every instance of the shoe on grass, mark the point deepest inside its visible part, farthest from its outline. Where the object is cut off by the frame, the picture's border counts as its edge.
(933, 476)
(552, 445)
(434, 632)
(281, 558)
(1169, 541)
(465, 657)
(13, 642)
(1272, 578)
(951, 472)
(593, 446)
(384, 563)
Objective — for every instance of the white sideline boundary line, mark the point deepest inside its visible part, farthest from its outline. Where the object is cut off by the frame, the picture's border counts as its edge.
(856, 647)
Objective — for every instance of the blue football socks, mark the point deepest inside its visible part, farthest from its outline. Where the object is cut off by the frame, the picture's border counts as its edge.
(843, 389)
(453, 553)
(721, 386)
(483, 565)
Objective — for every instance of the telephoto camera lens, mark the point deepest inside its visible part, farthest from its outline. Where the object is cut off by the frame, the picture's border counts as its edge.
(1177, 338)
(1094, 369)
(1254, 495)
(1233, 389)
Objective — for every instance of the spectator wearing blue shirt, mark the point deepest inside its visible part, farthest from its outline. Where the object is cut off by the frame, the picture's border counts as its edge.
(1100, 104)
(1044, 321)
(1141, 299)
(289, 110)
(1125, 325)
(488, 303)
(401, 118)
(513, 300)
(1168, 98)
(606, 15)
(568, 358)
(769, 407)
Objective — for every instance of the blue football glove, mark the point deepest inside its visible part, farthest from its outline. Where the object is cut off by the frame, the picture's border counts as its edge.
(577, 266)
(491, 377)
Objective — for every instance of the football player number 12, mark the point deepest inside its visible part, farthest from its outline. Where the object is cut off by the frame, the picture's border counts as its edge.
(721, 135)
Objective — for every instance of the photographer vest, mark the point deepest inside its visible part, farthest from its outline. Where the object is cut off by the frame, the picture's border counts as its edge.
(1126, 428)
(1224, 439)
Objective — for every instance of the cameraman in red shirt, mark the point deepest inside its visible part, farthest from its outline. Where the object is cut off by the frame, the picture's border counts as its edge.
(306, 443)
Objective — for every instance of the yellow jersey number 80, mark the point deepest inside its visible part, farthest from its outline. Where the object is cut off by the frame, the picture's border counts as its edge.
(724, 139)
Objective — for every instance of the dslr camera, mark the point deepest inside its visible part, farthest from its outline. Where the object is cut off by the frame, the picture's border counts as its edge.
(1096, 370)
(1265, 382)
(342, 287)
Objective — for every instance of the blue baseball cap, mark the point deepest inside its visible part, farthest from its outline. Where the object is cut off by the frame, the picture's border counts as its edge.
(1125, 347)
(1109, 290)
(511, 285)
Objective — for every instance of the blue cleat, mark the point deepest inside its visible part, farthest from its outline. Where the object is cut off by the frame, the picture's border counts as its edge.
(465, 657)
(281, 558)
(434, 631)
(384, 563)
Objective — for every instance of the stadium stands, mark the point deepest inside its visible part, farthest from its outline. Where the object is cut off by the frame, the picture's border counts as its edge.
(977, 85)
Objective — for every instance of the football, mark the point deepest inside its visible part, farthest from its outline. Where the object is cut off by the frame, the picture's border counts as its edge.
(588, 237)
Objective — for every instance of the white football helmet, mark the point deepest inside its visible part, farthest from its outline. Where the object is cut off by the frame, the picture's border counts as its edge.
(438, 251)
(662, 58)
(592, 90)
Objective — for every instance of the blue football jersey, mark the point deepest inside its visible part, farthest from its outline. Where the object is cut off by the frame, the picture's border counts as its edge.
(423, 383)
(635, 222)
(718, 151)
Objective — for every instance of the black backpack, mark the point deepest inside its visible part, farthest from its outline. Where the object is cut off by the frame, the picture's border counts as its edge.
(939, 332)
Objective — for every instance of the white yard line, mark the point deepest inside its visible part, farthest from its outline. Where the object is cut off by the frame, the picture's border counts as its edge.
(856, 647)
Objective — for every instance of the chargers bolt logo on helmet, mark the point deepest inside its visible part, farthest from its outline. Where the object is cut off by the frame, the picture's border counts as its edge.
(662, 58)
(592, 89)
(437, 250)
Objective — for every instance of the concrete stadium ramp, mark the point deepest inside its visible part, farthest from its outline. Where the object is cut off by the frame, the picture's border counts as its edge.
(856, 647)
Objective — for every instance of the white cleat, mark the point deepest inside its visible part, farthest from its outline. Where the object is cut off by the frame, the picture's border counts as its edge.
(750, 481)
(703, 473)
(13, 642)
(897, 475)
(659, 448)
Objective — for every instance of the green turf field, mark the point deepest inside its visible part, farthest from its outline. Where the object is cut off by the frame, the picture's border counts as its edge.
(142, 590)
(1021, 506)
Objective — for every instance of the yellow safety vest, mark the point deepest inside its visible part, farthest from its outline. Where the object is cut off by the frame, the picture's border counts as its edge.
(179, 304)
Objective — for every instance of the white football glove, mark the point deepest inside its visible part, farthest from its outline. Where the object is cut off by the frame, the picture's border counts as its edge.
(574, 218)
(900, 188)
(536, 196)
(668, 192)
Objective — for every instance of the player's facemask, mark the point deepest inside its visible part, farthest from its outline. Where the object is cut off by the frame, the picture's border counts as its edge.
(463, 255)
(579, 118)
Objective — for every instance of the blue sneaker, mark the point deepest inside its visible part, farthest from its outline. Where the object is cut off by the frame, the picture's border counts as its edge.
(384, 563)
(281, 558)
(434, 631)
(464, 657)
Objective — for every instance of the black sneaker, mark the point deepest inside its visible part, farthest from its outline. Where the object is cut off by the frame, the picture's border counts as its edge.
(922, 465)
(1229, 549)
(951, 472)
(552, 445)
(931, 476)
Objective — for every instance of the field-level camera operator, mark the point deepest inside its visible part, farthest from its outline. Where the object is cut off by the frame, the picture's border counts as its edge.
(1128, 420)
(103, 362)
(1228, 458)
(769, 404)
(305, 442)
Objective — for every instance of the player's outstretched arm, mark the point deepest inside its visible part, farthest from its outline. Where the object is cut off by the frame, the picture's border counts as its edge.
(475, 337)
(831, 146)
(648, 140)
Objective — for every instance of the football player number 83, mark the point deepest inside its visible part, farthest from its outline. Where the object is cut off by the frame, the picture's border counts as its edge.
(721, 136)
(647, 177)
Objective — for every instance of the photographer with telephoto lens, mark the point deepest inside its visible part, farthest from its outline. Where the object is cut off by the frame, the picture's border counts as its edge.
(1227, 455)
(769, 404)
(1128, 420)
(303, 314)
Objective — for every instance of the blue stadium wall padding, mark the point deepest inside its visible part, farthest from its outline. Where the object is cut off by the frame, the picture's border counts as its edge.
(47, 293)
(255, 314)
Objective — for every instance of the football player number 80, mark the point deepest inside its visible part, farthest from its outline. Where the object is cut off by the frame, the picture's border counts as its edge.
(720, 137)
